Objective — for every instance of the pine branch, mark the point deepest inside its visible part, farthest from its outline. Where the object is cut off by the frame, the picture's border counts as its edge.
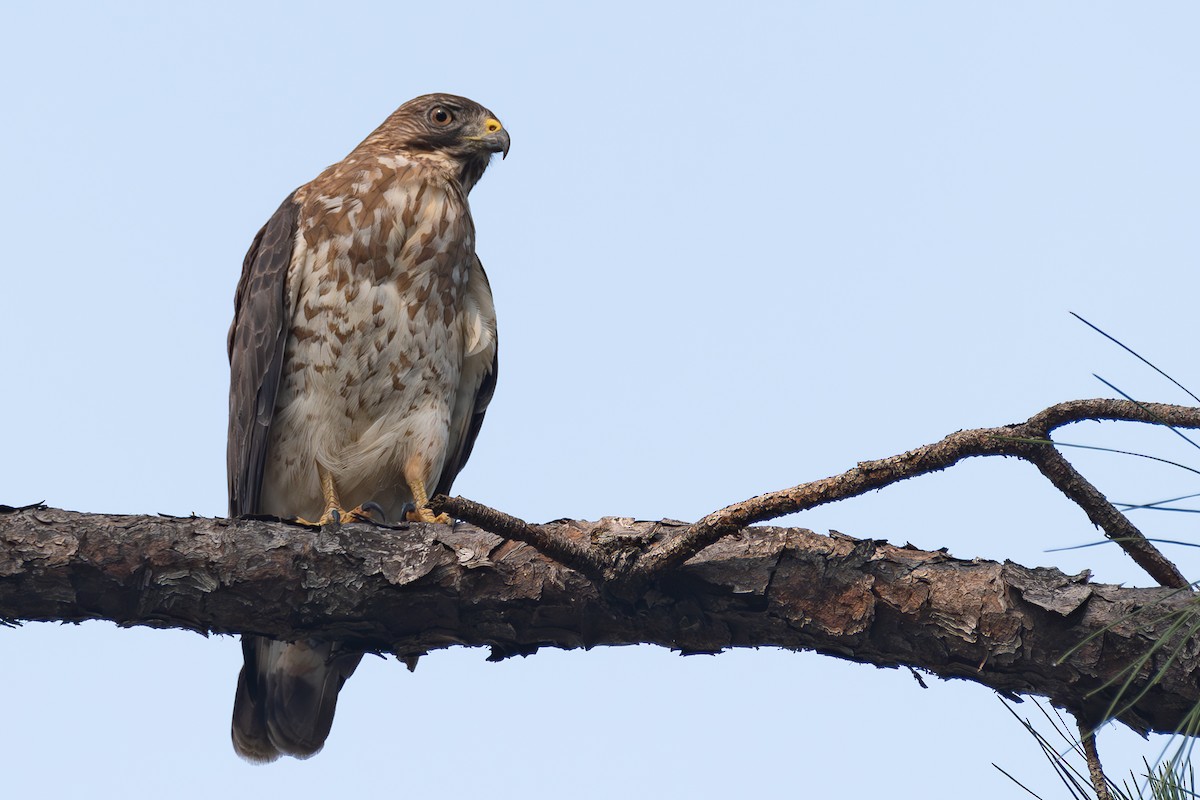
(423, 587)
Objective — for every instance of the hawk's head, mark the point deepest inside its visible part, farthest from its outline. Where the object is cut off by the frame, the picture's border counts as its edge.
(452, 126)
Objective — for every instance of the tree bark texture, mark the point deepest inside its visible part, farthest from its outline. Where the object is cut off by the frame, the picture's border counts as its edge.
(417, 588)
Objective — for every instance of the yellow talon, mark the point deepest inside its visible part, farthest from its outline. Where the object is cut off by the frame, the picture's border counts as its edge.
(334, 513)
(425, 514)
(422, 512)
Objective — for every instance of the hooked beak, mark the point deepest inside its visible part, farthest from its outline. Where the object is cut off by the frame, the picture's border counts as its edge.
(495, 138)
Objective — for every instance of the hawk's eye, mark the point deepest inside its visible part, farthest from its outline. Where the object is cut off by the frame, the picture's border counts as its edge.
(441, 117)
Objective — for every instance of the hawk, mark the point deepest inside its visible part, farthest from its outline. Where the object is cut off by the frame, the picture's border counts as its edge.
(362, 359)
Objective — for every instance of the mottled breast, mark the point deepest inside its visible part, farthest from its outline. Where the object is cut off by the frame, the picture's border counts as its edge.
(384, 249)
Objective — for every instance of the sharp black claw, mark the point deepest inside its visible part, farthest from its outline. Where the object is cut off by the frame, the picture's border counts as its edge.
(407, 509)
(375, 508)
(337, 516)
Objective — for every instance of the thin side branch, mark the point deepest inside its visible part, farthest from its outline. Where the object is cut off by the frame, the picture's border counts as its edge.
(562, 549)
(1087, 738)
(625, 572)
(1105, 516)
(1022, 440)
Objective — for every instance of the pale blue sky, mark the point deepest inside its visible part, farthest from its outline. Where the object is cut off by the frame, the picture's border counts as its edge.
(734, 247)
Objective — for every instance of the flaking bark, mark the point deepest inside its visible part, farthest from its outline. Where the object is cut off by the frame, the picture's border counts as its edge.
(408, 591)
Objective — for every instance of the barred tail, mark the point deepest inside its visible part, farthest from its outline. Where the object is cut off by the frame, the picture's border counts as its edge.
(286, 695)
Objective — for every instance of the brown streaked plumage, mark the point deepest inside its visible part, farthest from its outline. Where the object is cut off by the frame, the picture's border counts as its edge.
(362, 359)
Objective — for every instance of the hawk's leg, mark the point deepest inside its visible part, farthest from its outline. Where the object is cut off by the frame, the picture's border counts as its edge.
(422, 512)
(334, 513)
